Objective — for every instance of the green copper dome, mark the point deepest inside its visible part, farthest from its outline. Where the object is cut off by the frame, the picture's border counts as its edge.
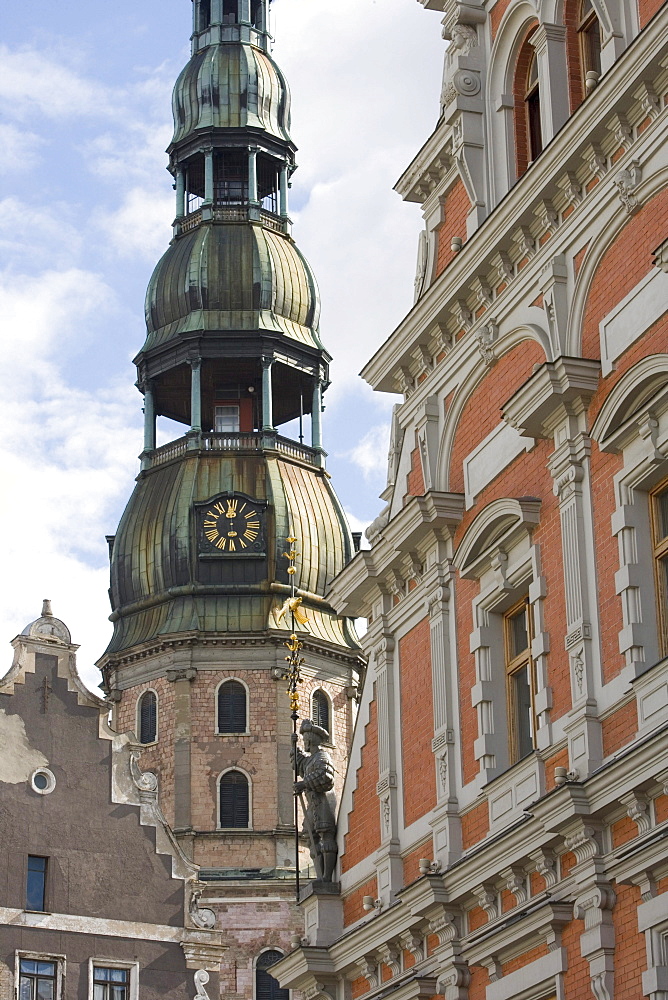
(231, 86)
(232, 277)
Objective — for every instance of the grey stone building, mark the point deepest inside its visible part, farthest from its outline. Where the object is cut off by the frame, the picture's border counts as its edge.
(96, 898)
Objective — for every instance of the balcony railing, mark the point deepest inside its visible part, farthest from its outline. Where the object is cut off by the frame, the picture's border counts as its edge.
(211, 441)
(231, 213)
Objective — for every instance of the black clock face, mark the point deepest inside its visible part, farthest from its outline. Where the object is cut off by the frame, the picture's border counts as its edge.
(232, 526)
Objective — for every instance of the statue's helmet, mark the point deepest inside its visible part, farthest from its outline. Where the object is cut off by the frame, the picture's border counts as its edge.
(310, 727)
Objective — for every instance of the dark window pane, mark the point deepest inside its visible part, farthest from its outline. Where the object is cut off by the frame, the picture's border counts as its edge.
(229, 11)
(234, 811)
(522, 708)
(266, 987)
(267, 183)
(230, 177)
(25, 989)
(662, 507)
(535, 132)
(231, 707)
(36, 883)
(519, 638)
(27, 965)
(321, 710)
(204, 14)
(148, 717)
(45, 989)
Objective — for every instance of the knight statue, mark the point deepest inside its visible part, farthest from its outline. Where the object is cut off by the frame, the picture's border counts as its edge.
(316, 770)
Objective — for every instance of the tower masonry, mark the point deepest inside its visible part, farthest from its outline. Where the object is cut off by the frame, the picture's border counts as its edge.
(199, 577)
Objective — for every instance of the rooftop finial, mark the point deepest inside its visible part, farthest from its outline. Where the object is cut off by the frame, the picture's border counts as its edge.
(46, 608)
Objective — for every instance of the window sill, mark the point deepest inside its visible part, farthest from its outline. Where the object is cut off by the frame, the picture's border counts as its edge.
(148, 746)
(234, 829)
(233, 734)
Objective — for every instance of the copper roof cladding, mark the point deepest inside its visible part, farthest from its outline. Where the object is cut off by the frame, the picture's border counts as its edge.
(231, 86)
(154, 588)
(233, 276)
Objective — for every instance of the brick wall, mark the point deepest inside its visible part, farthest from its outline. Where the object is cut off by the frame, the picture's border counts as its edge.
(496, 15)
(410, 860)
(540, 951)
(415, 478)
(363, 835)
(160, 756)
(630, 952)
(417, 722)
(456, 207)
(647, 9)
(619, 728)
(577, 981)
(352, 903)
(572, 10)
(475, 825)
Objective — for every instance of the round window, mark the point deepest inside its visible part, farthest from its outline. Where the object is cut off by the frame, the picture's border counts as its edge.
(43, 781)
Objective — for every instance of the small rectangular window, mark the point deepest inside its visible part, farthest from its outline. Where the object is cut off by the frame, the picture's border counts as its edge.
(226, 420)
(110, 983)
(519, 681)
(37, 979)
(659, 501)
(36, 883)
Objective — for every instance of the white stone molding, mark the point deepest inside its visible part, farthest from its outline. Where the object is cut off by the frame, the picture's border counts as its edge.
(653, 922)
(627, 181)
(488, 900)
(414, 943)
(201, 979)
(546, 865)
(651, 691)
(597, 941)
(516, 883)
(496, 451)
(549, 41)
(390, 955)
(632, 316)
(637, 809)
(633, 421)
(496, 528)
(554, 288)
(513, 790)
(427, 430)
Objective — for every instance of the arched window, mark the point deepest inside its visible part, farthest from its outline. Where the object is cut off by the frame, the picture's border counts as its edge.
(234, 801)
(147, 717)
(589, 30)
(320, 710)
(266, 987)
(532, 104)
(232, 707)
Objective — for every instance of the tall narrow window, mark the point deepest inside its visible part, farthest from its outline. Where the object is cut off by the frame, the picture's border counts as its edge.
(519, 681)
(36, 883)
(320, 710)
(204, 15)
(266, 987)
(230, 178)
(229, 11)
(37, 980)
(234, 801)
(532, 103)
(659, 502)
(267, 183)
(232, 707)
(226, 419)
(256, 14)
(589, 31)
(110, 984)
(147, 713)
(194, 183)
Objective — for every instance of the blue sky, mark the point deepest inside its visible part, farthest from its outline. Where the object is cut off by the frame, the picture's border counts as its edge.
(85, 212)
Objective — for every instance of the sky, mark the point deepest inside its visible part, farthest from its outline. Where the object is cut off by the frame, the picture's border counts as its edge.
(85, 213)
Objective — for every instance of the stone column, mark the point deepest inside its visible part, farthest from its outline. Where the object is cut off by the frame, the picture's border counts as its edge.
(284, 191)
(195, 394)
(149, 417)
(208, 177)
(549, 41)
(267, 402)
(388, 861)
(180, 192)
(569, 466)
(316, 415)
(181, 678)
(252, 176)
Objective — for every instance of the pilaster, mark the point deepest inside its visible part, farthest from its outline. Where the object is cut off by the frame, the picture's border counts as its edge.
(388, 862)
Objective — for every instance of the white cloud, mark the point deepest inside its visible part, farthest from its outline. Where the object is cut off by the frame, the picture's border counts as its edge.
(370, 454)
(19, 148)
(31, 234)
(33, 83)
(141, 225)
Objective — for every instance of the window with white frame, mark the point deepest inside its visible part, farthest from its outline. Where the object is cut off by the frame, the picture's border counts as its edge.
(109, 979)
(266, 987)
(497, 551)
(38, 979)
(659, 514)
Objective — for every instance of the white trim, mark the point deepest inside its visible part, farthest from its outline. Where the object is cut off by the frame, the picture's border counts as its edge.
(217, 730)
(632, 316)
(50, 780)
(75, 924)
(60, 962)
(248, 778)
(150, 690)
(113, 963)
(540, 978)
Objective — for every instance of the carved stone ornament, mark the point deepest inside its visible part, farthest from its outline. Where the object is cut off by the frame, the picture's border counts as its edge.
(626, 182)
(390, 955)
(145, 781)
(201, 916)
(448, 94)
(466, 82)
(201, 979)
(486, 335)
(464, 38)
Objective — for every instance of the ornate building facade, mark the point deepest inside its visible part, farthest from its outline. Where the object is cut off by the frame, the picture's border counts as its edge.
(502, 832)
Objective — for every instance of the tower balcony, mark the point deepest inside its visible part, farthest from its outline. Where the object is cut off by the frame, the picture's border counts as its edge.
(232, 213)
(212, 442)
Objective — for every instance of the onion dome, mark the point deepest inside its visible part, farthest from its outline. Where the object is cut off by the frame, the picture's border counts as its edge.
(232, 277)
(231, 86)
